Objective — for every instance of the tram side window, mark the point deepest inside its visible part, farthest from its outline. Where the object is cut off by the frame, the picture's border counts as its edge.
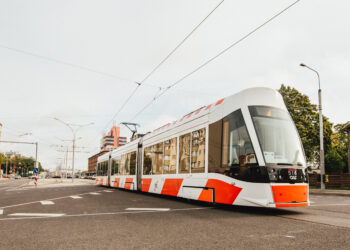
(115, 167)
(147, 161)
(122, 164)
(237, 147)
(158, 158)
(215, 138)
(198, 151)
(132, 162)
(127, 164)
(184, 154)
(170, 148)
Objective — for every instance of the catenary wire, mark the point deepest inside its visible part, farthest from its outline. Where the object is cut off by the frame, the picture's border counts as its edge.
(158, 65)
(214, 57)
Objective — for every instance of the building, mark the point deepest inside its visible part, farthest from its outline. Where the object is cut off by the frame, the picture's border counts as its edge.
(92, 162)
(112, 139)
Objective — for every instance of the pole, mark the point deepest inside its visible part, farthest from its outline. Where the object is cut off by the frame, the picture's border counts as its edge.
(73, 158)
(322, 167)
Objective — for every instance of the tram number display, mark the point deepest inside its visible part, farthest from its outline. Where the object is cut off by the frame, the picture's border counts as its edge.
(292, 173)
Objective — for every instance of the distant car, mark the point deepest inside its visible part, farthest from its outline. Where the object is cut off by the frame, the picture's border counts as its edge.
(18, 177)
(56, 177)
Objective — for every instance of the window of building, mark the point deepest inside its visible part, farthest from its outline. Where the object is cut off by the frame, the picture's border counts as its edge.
(158, 158)
(170, 148)
(147, 161)
(184, 153)
(198, 151)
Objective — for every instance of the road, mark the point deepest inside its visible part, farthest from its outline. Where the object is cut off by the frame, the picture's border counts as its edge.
(92, 217)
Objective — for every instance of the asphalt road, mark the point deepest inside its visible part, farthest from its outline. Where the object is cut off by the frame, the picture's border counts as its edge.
(115, 219)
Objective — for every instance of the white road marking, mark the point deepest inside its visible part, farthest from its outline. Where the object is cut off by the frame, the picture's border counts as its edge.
(36, 214)
(289, 236)
(108, 191)
(113, 213)
(1, 211)
(32, 202)
(146, 209)
(47, 202)
(76, 197)
(93, 193)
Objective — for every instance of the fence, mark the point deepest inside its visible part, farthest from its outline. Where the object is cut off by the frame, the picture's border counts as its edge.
(334, 180)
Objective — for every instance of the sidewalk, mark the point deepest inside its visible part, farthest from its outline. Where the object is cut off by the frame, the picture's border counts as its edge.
(58, 183)
(330, 192)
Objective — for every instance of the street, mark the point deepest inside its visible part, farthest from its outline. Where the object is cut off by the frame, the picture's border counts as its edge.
(92, 217)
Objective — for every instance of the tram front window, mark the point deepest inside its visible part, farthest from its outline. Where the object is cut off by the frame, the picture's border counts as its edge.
(278, 136)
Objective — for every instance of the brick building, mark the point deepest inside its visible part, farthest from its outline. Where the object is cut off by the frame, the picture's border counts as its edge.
(92, 162)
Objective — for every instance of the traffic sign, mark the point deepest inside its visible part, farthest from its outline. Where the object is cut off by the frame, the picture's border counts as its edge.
(36, 170)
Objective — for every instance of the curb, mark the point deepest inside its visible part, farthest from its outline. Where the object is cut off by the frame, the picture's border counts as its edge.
(329, 193)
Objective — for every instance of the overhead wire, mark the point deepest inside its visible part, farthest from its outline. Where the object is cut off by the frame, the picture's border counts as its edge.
(157, 96)
(162, 62)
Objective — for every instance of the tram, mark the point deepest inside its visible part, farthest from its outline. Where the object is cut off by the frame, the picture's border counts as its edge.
(242, 150)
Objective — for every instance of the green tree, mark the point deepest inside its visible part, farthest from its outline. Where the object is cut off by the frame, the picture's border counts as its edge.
(336, 159)
(306, 119)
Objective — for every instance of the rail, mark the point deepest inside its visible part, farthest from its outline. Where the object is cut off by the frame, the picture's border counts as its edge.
(205, 188)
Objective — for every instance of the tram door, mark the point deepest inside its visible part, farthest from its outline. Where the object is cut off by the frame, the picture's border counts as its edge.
(109, 169)
(139, 166)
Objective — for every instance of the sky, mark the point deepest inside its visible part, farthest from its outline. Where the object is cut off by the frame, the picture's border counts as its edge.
(97, 50)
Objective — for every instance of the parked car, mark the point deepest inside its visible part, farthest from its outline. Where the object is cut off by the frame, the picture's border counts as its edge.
(18, 177)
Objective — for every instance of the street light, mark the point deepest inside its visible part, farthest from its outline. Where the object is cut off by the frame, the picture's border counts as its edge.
(322, 168)
(74, 132)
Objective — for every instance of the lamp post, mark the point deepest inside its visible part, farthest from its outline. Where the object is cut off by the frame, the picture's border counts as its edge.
(322, 168)
(74, 132)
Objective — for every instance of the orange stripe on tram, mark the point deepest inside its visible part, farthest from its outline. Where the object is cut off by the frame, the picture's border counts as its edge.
(224, 192)
(146, 183)
(171, 186)
(116, 182)
(128, 183)
(287, 194)
(101, 181)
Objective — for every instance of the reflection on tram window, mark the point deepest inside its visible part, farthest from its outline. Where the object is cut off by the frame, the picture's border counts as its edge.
(214, 154)
(278, 136)
(237, 147)
(198, 151)
(127, 164)
(147, 161)
(115, 167)
(158, 158)
(122, 164)
(132, 162)
(184, 154)
(170, 148)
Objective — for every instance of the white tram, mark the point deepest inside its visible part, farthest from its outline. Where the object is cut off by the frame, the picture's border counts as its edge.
(241, 150)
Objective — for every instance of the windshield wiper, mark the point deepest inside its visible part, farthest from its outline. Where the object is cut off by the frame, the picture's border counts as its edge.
(285, 164)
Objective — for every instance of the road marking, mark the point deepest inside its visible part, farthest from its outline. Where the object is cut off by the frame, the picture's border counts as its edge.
(108, 191)
(93, 193)
(32, 202)
(112, 213)
(146, 209)
(76, 197)
(47, 202)
(1, 212)
(36, 215)
(289, 236)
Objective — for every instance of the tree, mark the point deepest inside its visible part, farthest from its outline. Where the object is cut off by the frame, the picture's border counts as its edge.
(336, 158)
(306, 119)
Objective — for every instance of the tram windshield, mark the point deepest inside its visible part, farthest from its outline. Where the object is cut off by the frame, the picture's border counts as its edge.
(278, 136)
